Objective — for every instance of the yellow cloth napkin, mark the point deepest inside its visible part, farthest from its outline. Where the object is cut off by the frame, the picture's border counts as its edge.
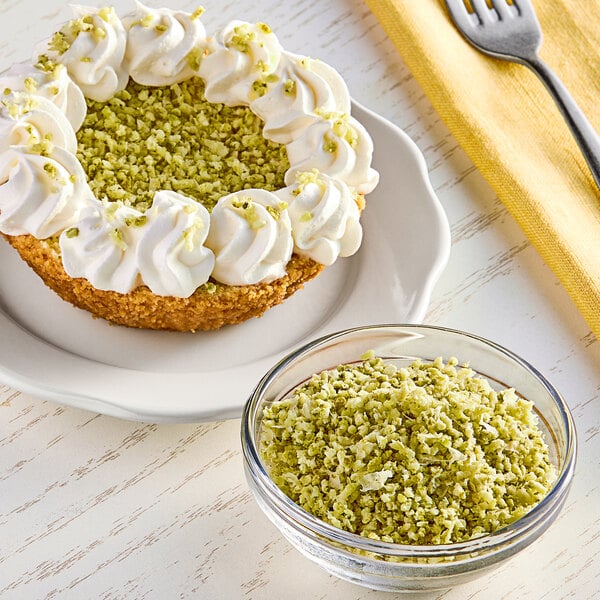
(507, 123)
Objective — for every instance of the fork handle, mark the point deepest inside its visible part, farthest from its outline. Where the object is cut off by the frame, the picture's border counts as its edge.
(582, 130)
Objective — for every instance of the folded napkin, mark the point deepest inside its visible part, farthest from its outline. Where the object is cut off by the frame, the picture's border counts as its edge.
(507, 123)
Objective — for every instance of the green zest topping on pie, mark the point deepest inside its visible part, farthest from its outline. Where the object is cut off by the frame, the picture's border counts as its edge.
(146, 139)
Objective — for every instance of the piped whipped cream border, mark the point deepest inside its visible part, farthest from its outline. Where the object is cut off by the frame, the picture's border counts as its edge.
(175, 246)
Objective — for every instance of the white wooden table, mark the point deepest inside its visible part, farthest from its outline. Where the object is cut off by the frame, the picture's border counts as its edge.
(95, 507)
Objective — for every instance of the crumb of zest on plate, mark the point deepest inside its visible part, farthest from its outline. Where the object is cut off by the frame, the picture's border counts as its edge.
(424, 454)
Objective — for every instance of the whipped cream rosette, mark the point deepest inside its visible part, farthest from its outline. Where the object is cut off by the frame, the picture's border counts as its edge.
(50, 81)
(324, 216)
(163, 46)
(26, 120)
(303, 87)
(251, 237)
(92, 47)
(337, 145)
(41, 193)
(177, 240)
(117, 247)
(99, 247)
(172, 254)
(241, 61)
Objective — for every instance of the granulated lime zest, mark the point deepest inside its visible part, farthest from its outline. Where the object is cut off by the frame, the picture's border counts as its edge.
(136, 221)
(247, 209)
(329, 145)
(427, 454)
(145, 21)
(30, 85)
(147, 139)
(340, 125)
(197, 13)
(62, 40)
(275, 212)
(306, 178)
(117, 237)
(107, 13)
(190, 235)
(42, 147)
(47, 65)
(59, 43)
(289, 87)
(194, 58)
(18, 104)
(53, 173)
(261, 86)
(241, 38)
(51, 170)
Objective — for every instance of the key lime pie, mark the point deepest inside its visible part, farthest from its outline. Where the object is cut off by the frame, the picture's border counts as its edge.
(163, 179)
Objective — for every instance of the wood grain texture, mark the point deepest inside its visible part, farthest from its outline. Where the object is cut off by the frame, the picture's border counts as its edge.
(95, 507)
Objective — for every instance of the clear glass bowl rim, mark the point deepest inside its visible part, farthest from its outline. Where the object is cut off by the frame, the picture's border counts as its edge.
(297, 516)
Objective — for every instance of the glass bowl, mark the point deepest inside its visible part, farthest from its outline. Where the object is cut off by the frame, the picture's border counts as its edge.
(396, 567)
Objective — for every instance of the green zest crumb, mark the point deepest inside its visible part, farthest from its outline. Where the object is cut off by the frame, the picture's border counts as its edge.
(329, 145)
(19, 106)
(62, 40)
(194, 58)
(307, 178)
(107, 13)
(425, 454)
(117, 237)
(42, 147)
(72, 232)
(136, 221)
(58, 43)
(197, 13)
(47, 65)
(275, 212)
(51, 170)
(248, 211)
(289, 87)
(30, 85)
(340, 125)
(261, 86)
(242, 38)
(146, 139)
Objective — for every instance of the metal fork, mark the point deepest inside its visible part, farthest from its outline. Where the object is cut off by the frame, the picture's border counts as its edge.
(512, 32)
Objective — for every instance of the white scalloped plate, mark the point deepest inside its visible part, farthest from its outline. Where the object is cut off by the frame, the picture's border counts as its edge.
(54, 351)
